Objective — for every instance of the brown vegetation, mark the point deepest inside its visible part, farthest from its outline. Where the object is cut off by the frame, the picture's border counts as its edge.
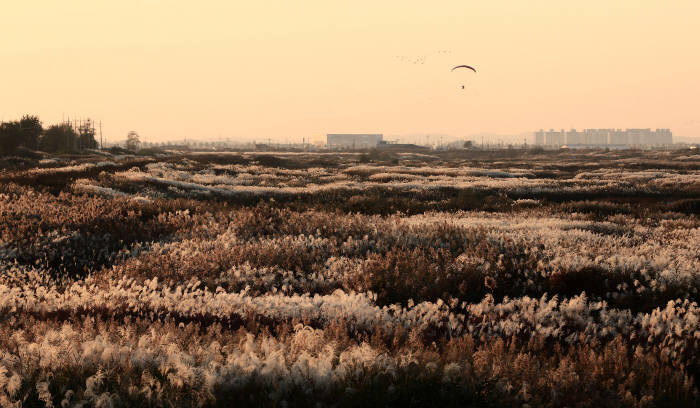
(297, 280)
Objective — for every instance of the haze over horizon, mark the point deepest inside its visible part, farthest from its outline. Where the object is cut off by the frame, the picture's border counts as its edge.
(283, 71)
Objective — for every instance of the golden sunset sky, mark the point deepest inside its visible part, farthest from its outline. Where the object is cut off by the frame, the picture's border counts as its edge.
(290, 70)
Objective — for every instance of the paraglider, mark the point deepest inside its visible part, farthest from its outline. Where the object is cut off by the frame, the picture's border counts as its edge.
(465, 67)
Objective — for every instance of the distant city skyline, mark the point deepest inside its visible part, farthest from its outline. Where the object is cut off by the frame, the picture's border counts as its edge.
(437, 140)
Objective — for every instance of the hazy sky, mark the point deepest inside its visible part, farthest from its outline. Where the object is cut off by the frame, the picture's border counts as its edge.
(288, 70)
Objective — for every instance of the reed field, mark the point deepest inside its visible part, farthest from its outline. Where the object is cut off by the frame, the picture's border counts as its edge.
(284, 279)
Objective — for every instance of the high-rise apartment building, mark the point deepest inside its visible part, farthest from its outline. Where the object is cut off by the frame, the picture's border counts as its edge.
(539, 138)
(554, 138)
(605, 137)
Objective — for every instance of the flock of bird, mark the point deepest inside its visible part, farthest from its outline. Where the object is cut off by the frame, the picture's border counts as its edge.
(420, 60)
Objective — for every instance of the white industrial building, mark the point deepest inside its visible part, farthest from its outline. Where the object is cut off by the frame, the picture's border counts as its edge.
(353, 140)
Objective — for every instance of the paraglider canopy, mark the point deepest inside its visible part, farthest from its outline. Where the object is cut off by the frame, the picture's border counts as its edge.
(464, 66)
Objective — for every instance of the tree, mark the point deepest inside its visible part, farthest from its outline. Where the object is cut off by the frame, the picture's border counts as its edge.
(132, 141)
(468, 144)
(10, 136)
(31, 130)
(59, 137)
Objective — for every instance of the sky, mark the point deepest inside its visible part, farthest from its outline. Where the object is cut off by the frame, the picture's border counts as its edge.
(287, 71)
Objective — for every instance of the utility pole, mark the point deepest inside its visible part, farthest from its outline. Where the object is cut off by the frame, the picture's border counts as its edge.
(102, 146)
(67, 135)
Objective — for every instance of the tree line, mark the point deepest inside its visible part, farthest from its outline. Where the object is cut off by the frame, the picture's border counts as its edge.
(29, 133)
